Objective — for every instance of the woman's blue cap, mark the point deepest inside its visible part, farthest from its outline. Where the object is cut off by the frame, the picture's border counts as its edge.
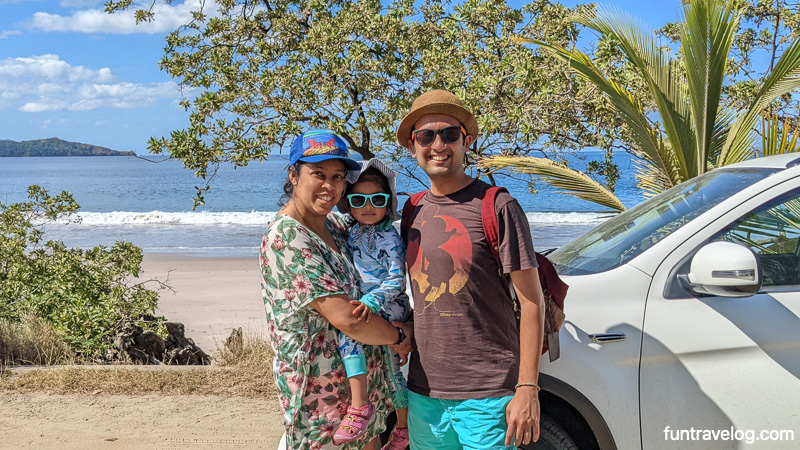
(320, 145)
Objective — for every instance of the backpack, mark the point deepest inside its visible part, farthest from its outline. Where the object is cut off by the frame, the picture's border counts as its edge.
(553, 288)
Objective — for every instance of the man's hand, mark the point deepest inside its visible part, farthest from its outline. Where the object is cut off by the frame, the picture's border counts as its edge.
(405, 347)
(522, 417)
(361, 310)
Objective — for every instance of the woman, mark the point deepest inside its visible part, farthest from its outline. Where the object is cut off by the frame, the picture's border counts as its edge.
(309, 284)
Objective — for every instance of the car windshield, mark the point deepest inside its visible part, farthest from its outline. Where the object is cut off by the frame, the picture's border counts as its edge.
(627, 235)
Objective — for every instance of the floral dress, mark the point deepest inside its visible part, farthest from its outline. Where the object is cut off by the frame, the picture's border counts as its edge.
(297, 268)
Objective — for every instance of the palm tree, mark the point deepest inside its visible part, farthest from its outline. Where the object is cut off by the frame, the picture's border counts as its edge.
(693, 132)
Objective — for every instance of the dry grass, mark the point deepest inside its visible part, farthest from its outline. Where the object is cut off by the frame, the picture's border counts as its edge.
(241, 370)
(31, 341)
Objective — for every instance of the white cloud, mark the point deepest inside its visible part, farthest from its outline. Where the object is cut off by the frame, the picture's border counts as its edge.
(6, 34)
(50, 67)
(47, 83)
(167, 18)
(34, 107)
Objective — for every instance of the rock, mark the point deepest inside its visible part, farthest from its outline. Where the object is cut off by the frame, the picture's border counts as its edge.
(147, 347)
(235, 342)
(131, 343)
(151, 343)
(182, 350)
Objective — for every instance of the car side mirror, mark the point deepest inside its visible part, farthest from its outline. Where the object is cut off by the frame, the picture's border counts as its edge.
(724, 269)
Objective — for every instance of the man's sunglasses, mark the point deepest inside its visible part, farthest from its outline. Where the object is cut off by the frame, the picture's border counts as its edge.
(449, 135)
(378, 200)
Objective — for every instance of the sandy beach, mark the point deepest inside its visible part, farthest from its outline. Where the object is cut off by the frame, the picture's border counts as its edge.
(137, 422)
(211, 296)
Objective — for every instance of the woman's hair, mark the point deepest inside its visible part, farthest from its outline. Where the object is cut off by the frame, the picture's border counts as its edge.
(288, 187)
(374, 175)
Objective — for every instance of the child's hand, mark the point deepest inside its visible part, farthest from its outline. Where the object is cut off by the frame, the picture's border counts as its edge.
(405, 347)
(403, 358)
(361, 310)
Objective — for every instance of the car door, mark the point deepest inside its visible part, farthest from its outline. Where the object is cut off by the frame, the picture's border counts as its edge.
(720, 372)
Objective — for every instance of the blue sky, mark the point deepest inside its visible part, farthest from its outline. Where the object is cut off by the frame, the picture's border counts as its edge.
(69, 70)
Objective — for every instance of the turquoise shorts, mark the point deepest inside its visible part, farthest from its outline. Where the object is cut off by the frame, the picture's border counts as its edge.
(455, 424)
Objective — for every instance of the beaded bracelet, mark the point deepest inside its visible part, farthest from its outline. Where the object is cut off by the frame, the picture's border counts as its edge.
(530, 385)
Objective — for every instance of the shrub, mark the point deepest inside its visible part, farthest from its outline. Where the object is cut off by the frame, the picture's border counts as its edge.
(31, 341)
(84, 295)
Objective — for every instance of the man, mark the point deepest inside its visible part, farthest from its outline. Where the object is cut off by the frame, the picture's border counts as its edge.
(473, 378)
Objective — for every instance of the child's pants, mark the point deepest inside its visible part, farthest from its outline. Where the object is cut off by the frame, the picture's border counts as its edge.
(355, 362)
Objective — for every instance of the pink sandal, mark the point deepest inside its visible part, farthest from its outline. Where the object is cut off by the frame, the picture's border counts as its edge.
(354, 424)
(398, 439)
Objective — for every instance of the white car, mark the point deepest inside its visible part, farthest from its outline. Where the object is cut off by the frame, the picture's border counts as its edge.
(683, 319)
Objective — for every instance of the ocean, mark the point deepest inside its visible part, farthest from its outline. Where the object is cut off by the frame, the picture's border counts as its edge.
(150, 204)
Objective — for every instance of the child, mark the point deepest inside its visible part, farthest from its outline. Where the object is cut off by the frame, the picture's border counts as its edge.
(379, 257)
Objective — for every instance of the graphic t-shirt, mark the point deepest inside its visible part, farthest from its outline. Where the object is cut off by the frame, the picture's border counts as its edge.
(464, 325)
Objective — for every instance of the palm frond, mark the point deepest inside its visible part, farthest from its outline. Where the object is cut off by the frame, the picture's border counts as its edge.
(783, 79)
(570, 181)
(775, 138)
(651, 180)
(725, 119)
(706, 35)
(663, 78)
(671, 159)
(630, 109)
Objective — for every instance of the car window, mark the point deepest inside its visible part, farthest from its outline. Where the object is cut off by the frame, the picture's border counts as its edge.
(627, 235)
(773, 232)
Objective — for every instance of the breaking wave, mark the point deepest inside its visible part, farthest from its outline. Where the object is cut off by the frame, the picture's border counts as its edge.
(260, 218)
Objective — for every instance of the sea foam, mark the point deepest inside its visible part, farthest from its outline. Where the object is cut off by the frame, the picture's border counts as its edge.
(577, 218)
(176, 218)
(261, 218)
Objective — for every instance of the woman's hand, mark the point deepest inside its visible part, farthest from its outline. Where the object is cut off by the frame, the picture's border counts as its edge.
(406, 346)
(361, 311)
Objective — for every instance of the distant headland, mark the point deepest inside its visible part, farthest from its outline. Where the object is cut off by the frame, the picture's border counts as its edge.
(55, 147)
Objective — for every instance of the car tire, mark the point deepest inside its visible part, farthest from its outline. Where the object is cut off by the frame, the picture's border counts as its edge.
(552, 436)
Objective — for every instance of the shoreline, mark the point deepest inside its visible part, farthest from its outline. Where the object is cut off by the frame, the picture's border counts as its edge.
(212, 295)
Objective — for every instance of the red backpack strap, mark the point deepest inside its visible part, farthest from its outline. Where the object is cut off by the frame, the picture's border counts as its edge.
(408, 212)
(489, 219)
(552, 286)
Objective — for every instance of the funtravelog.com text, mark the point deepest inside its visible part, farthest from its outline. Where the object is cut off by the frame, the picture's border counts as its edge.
(732, 434)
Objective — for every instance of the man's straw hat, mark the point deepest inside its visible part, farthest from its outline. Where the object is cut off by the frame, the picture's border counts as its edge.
(437, 101)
